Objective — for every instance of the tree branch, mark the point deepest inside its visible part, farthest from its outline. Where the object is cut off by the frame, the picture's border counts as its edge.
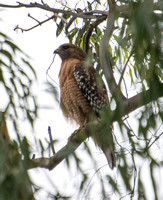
(85, 15)
(142, 99)
(105, 58)
(81, 135)
(69, 23)
(90, 30)
(124, 69)
(51, 140)
(39, 24)
(74, 141)
(100, 15)
(123, 10)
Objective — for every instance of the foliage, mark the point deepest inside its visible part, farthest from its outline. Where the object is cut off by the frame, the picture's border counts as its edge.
(14, 180)
(16, 79)
(136, 57)
(16, 85)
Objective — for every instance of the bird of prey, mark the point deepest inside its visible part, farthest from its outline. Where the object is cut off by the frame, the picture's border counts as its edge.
(82, 94)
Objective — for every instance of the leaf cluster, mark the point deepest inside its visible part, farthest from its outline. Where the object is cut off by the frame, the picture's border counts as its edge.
(16, 80)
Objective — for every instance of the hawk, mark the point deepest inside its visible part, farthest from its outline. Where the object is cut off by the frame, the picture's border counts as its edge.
(82, 94)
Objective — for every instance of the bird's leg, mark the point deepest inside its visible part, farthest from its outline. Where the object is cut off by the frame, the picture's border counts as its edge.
(75, 133)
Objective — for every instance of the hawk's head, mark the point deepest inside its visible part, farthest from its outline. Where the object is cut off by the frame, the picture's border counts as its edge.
(68, 51)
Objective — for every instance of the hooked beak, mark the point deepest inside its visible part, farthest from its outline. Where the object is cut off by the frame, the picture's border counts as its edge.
(56, 51)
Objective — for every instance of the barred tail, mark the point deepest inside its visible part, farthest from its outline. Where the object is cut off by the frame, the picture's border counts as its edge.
(110, 156)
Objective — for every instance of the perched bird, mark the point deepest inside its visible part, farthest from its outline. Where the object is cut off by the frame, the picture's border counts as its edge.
(82, 94)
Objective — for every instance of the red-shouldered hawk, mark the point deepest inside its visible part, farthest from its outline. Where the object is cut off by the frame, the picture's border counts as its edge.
(82, 95)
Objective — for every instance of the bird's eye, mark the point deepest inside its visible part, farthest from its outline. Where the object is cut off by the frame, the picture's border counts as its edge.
(65, 47)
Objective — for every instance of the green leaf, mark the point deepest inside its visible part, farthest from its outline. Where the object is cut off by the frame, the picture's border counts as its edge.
(98, 1)
(3, 63)
(154, 183)
(6, 54)
(53, 90)
(42, 147)
(66, 16)
(89, 5)
(72, 33)
(1, 76)
(13, 46)
(122, 42)
(131, 76)
(30, 66)
(4, 35)
(60, 27)
(113, 183)
(141, 189)
(12, 80)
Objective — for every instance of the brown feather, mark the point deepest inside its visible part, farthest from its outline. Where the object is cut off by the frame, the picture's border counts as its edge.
(82, 95)
(75, 105)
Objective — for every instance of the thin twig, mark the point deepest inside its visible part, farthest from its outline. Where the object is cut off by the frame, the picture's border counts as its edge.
(33, 156)
(124, 69)
(44, 3)
(88, 184)
(34, 19)
(39, 24)
(155, 140)
(47, 72)
(69, 23)
(135, 177)
(126, 151)
(90, 30)
(51, 140)
(74, 141)
(104, 53)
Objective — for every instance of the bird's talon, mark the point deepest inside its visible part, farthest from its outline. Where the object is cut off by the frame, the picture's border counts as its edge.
(74, 134)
